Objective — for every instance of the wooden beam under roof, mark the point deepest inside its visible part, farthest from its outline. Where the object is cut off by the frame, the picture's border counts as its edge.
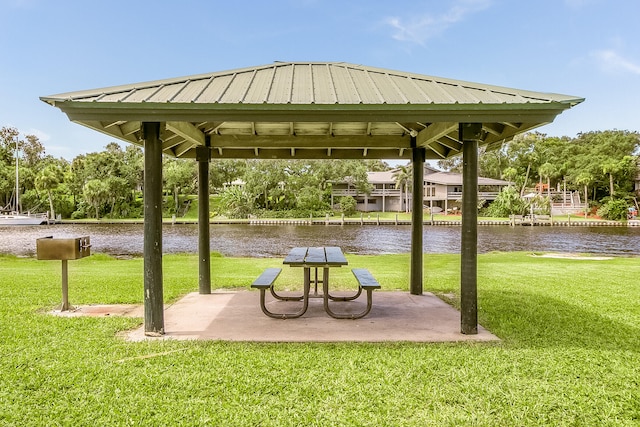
(450, 143)
(300, 153)
(494, 128)
(115, 123)
(213, 128)
(312, 153)
(181, 149)
(512, 125)
(99, 126)
(434, 132)
(187, 131)
(311, 141)
(440, 150)
(439, 153)
(406, 129)
(129, 128)
(170, 142)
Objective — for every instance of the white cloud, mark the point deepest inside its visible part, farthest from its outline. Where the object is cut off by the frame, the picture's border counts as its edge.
(422, 28)
(612, 61)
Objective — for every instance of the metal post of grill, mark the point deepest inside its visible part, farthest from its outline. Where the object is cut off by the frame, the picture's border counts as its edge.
(48, 248)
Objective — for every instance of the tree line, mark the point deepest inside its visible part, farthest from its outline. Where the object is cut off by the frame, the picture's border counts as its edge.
(601, 165)
(109, 183)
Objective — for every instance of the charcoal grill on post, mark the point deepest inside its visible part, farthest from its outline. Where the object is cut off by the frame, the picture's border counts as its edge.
(48, 248)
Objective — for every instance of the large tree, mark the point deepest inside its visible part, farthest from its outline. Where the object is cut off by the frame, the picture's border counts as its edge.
(607, 156)
(180, 178)
(48, 179)
(96, 193)
(224, 171)
(303, 186)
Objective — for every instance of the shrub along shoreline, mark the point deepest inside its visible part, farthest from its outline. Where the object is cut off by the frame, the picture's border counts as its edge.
(568, 356)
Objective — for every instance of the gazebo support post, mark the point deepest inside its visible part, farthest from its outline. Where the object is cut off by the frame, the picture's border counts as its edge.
(418, 156)
(153, 298)
(204, 250)
(469, 133)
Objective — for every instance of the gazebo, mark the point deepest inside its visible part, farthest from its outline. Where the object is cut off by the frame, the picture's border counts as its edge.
(309, 110)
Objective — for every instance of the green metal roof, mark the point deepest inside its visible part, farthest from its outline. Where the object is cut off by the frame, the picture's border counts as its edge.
(311, 110)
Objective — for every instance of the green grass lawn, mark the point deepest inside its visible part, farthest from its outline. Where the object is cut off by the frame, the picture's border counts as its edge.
(569, 355)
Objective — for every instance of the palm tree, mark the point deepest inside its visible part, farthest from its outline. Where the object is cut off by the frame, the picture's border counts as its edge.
(48, 180)
(585, 178)
(547, 170)
(403, 176)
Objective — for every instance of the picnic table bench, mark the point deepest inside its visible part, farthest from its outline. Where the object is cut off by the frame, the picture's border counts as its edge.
(265, 281)
(367, 282)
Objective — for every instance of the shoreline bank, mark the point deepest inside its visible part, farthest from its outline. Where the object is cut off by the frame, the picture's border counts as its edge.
(368, 221)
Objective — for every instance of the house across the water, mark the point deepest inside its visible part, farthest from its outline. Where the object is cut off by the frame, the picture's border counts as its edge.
(442, 191)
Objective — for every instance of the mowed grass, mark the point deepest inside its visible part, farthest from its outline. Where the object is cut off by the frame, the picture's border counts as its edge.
(569, 355)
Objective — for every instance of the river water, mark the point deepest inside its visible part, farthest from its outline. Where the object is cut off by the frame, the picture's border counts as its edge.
(276, 240)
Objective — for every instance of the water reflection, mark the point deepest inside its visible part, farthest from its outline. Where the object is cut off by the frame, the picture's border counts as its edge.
(275, 240)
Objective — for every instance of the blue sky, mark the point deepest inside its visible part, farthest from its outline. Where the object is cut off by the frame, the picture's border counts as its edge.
(586, 48)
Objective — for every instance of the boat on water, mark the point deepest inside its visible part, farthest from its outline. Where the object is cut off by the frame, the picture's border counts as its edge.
(11, 214)
(15, 218)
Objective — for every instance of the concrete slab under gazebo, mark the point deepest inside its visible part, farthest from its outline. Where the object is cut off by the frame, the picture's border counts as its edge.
(310, 110)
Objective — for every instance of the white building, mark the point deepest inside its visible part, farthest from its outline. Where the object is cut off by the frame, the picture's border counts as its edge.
(442, 191)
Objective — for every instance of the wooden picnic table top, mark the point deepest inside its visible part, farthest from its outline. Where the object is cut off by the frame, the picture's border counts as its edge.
(329, 256)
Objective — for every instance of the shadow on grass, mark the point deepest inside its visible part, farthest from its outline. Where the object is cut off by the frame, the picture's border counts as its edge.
(531, 320)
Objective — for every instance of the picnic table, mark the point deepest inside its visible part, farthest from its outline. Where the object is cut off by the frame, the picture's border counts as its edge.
(319, 260)
(316, 258)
